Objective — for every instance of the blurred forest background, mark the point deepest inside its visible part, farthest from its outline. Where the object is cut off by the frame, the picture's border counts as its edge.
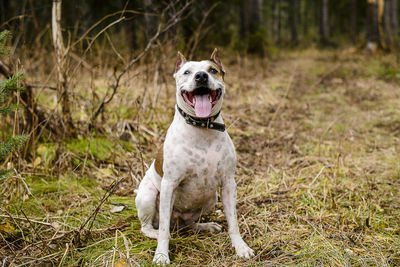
(87, 94)
(244, 26)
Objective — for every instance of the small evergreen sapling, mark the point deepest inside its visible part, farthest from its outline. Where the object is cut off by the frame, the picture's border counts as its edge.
(8, 86)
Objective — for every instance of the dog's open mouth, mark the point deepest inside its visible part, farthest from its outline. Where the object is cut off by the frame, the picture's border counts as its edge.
(202, 99)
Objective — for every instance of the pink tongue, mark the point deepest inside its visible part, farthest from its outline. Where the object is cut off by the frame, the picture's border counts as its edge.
(202, 107)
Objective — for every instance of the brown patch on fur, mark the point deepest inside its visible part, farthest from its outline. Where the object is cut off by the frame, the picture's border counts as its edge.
(158, 165)
(220, 73)
(214, 57)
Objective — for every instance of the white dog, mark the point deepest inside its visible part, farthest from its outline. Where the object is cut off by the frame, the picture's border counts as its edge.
(197, 157)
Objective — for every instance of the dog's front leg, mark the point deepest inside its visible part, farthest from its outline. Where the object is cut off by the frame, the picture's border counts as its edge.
(228, 194)
(166, 204)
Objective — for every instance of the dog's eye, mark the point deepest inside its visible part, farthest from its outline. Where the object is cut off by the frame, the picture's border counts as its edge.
(186, 72)
(213, 71)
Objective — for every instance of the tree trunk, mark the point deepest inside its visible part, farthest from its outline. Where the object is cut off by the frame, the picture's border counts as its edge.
(256, 38)
(3, 10)
(255, 18)
(62, 93)
(305, 10)
(275, 20)
(294, 21)
(324, 22)
(149, 18)
(372, 26)
(390, 22)
(244, 24)
(387, 23)
(394, 18)
(353, 21)
(279, 22)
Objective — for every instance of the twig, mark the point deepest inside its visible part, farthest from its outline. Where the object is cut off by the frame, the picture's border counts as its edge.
(11, 19)
(39, 259)
(232, 123)
(196, 37)
(47, 240)
(316, 177)
(106, 17)
(32, 226)
(5, 70)
(126, 243)
(84, 62)
(7, 243)
(42, 86)
(92, 216)
(16, 223)
(65, 254)
(92, 41)
(114, 49)
(86, 153)
(114, 248)
(28, 190)
(25, 219)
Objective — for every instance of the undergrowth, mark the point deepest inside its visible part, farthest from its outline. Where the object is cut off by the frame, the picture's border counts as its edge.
(317, 138)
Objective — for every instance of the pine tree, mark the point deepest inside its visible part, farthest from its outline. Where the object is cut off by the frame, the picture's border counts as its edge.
(6, 88)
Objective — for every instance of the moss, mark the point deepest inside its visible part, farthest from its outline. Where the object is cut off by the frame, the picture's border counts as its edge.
(100, 147)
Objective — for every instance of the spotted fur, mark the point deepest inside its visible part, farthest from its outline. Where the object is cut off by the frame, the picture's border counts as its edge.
(183, 181)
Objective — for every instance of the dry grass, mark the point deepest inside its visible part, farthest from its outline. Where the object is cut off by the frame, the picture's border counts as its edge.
(317, 137)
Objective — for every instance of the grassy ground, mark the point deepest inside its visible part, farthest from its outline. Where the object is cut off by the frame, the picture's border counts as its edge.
(317, 137)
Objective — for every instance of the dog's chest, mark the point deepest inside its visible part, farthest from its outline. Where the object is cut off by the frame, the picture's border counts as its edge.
(199, 159)
(200, 177)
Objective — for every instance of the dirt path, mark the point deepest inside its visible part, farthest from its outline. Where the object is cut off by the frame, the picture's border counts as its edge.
(319, 147)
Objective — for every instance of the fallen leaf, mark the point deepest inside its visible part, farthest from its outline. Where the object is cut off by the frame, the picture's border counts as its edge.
(37, 161)
(6, 228)
(117, 209)
(121, 263)
(56, 225)
(25, 197)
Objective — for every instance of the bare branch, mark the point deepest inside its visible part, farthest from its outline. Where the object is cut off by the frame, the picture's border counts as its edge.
(197, 33)
(106, 17)
(43, 86)
(94, 39)
(5, 70)
(93, 216)
(160, 30)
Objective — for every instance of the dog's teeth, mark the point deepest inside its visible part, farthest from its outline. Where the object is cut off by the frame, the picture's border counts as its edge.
(210, 98)
(194, 100)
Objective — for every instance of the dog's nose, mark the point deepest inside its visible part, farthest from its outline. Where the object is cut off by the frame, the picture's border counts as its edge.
(201, 77)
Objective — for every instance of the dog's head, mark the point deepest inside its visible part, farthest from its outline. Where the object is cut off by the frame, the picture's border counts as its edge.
(200, 85)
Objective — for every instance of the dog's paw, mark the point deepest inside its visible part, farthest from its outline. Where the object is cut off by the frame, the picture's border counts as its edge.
(209, 227)
(161, 259)
(244, 251)
(150, 232)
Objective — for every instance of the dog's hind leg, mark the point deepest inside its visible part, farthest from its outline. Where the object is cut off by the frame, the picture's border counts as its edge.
(206, 227)
(146, 205)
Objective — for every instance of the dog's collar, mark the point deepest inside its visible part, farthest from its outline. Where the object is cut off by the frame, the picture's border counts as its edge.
(207, 123)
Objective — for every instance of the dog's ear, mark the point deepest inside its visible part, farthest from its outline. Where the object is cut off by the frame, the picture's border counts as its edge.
(180, 61)
(215, 58)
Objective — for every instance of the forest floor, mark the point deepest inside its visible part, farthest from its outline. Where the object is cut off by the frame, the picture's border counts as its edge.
(317, 134)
